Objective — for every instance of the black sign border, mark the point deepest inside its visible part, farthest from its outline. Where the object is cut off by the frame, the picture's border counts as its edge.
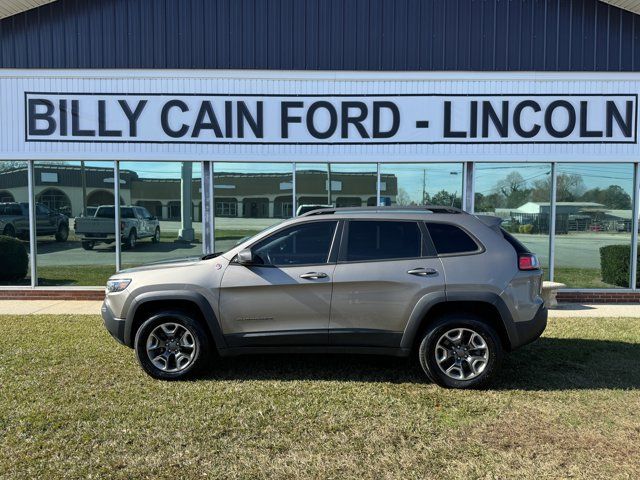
(318, 95)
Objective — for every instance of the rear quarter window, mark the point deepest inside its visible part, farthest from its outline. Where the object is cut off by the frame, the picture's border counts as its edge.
(449, 239)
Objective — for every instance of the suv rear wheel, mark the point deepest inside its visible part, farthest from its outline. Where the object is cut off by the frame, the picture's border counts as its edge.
(171, 346)
(460, 351)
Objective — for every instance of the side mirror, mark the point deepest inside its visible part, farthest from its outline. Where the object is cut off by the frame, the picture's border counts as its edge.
(245, 257)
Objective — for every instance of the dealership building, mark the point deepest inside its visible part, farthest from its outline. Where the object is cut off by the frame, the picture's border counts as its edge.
(222, 117)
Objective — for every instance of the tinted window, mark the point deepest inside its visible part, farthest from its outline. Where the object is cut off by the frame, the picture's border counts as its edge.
(10, 210)
(450, 239)
(42, 210)
(383, 240)
(105, 212)
(307, 243)
(127, 212)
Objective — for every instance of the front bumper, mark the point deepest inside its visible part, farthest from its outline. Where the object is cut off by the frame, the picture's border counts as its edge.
(529, 331)
(115, 326)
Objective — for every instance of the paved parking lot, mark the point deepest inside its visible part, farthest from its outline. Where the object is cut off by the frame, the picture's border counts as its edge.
(579, 250)
(574, 250)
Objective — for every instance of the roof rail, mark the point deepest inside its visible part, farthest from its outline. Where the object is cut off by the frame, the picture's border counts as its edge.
(394, 209)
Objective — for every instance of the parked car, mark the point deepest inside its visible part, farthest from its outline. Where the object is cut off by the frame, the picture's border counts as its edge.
(14, 221)
(451, 288)
(135, 223)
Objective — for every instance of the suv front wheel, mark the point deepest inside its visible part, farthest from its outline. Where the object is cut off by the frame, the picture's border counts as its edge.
(460, 351)
(171, 346)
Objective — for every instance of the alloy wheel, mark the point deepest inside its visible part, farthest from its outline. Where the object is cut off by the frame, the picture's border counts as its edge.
(461, 353)
(171, 347)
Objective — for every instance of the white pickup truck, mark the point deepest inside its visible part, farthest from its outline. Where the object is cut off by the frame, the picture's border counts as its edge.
(135, 223)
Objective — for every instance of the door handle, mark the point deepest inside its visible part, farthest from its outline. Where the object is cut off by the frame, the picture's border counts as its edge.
(423, 272)
(314, 275)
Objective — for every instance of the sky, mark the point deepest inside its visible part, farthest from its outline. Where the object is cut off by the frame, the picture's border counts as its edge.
(436, 176)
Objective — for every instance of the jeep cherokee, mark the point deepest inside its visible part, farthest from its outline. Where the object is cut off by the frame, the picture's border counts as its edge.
(451, 288)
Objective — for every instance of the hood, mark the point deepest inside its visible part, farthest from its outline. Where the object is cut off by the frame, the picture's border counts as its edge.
(163, 265)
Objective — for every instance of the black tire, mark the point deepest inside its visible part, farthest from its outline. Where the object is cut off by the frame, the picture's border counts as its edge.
(9, 231)
(200, 356)
(156, 236)
(88, 245)
(63, 233)
(132, 239)
(471, 323)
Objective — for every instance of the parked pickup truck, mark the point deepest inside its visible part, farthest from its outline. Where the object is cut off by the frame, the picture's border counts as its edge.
(135, 223)
(14, 221)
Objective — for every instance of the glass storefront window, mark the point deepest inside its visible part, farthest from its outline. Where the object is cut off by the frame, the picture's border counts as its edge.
(520, 194)
(67, 195)
(248, 198)
(14, 213)
(338, 184)
(593, 213)
(406, 184)
(161, 214)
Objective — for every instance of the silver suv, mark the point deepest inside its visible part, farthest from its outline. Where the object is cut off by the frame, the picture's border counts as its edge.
(451, 288)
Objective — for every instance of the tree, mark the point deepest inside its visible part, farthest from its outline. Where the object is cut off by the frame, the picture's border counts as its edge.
(403, 198)
(445, 198)
(613, 197)
(570, 186)
(11, 164)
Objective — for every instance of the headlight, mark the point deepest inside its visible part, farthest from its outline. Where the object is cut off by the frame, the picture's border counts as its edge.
(117, 285)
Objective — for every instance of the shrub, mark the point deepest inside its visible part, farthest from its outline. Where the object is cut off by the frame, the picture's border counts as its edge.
(614, 264)
(14, 259)
(528, 228)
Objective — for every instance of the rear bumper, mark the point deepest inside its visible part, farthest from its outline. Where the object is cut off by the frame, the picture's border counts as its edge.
(115, 326)
(529, 331)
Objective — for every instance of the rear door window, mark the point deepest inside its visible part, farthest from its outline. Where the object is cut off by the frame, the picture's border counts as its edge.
(380, 240)
(450, 240)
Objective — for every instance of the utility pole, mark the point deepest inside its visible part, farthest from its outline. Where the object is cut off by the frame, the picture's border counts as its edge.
(424, 186)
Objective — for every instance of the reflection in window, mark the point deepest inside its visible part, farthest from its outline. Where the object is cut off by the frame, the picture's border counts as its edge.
(338, 185)
(65, 196)
(520, 194)
(14, 216)
(250, 197)
(421, 184)
(167, 220)
(594, 223)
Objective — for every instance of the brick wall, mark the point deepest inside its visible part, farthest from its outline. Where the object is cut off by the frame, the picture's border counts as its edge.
(599, 297)
(43, 294)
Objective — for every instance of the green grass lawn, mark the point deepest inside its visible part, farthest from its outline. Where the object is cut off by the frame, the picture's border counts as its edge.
(581, 277)
(74, 404)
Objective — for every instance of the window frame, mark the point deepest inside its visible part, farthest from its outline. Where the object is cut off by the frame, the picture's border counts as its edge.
(427, 250)
(481, 248)
(333, 247)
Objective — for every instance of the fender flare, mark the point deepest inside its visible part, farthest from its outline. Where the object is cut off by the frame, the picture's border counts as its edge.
(198, 299)
(426, 303)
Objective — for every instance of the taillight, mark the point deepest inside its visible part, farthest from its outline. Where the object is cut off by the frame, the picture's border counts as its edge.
(528, 261)
(121, 225)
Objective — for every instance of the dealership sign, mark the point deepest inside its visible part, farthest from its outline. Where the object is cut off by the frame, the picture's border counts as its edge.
(329, 119)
